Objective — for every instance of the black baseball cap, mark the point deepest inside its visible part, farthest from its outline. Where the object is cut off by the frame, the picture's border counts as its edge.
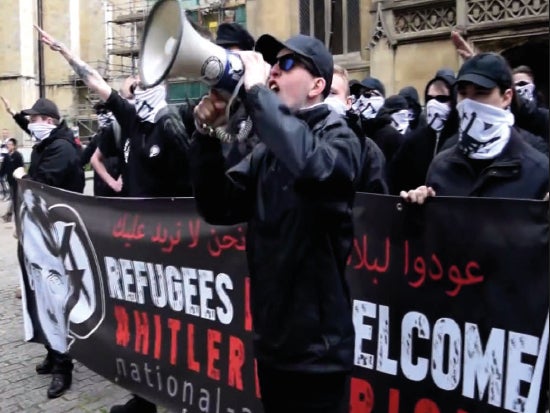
(306, 46)
(373, 83)
(488, 70)
(43, 107)
(233, 34)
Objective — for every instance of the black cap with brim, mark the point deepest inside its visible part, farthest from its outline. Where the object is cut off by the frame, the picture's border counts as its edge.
(373, 83)
(479, 80)
(488, 70)
(43, 107)
(306, 46)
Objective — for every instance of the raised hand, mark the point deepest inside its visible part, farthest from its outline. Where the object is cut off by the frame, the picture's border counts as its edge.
(463, 48)
(7, 105)
(49, 40)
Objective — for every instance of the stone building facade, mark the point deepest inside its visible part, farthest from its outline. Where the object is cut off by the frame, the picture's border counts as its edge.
(402, 42)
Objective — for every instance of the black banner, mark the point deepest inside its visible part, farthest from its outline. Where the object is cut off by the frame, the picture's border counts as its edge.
(450, 300)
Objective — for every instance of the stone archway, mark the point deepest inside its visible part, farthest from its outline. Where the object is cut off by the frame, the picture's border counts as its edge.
(535, 54)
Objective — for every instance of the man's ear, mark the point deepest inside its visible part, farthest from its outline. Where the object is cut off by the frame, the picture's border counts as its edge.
(318, 87)
(507, 97)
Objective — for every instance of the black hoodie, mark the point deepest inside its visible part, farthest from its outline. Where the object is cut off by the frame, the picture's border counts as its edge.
(411, 96)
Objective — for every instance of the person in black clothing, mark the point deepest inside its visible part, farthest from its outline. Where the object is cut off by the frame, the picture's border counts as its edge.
(369, 96)
(55, 161)
(153, 149)
(111, 164)
(524, 84)
(490, 158)
(12, 160)
(372, 178)
(296, 191)
(3, 152)
(410, 164)
(416, 117)
(528, 115)
(387, 128)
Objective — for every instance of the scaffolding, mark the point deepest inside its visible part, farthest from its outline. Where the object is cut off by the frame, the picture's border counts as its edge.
(124, 22)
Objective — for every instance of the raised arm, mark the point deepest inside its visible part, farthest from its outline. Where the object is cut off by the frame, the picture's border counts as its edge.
(90, 76)
(20, 119)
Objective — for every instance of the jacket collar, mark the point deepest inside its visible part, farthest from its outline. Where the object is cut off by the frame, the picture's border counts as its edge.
(314, 114)
(510, 155)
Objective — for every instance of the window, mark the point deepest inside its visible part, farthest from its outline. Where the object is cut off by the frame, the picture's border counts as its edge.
(335, 22)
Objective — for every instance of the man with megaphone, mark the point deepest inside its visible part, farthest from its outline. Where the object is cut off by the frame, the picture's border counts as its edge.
(296, 192)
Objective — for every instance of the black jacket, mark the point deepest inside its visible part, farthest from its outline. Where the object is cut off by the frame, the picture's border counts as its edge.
(388, 139)
(55, 161)
(154, 161)
(296, 191)
(408, 167)
(520, 171)
(372, 178)
(111, 163)
(532, 118)
(11, 162)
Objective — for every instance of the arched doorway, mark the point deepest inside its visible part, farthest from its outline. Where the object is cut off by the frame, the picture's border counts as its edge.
(535, 54)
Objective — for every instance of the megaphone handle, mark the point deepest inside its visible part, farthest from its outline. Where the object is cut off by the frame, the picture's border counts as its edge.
(236, 93)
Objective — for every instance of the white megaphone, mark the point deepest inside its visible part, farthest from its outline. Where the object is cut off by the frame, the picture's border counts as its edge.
(171, 47)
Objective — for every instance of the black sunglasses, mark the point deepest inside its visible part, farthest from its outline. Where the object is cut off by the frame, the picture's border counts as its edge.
(370, 93)
(439, 98)
(521, 83)
(288, 61)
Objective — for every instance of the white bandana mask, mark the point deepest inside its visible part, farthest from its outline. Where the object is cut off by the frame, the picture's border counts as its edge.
(400, 120)
(368, 107)
(40, 131)
(526, 91)
(149, 102)
(437, 114)
(105, 119)
(484, 129)
(336, 105)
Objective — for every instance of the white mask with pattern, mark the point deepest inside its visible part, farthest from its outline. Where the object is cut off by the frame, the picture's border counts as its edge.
(368, 107)
(149, 102)
(525, 90)
(437, 114)
(484, 129)
(400, 120)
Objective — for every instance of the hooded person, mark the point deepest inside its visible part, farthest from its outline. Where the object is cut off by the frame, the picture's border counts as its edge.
(410, 164)
(416, 117)
(369, 97)
(387, 129)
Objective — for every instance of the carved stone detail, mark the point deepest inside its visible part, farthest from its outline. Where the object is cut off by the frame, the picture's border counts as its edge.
(380, 29)
(484, 11)
(423, 19)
